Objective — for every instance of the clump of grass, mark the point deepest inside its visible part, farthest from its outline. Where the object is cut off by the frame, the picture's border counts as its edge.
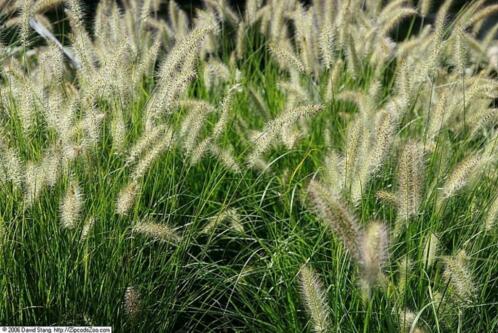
(195, 151)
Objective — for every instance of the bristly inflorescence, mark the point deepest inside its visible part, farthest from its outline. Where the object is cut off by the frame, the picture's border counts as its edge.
(71, 205)
(161, 232)
(174, 144)
(368, 246)
(315, 299)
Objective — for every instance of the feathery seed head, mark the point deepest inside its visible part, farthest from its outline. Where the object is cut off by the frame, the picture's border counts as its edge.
(230, 215)
(410, 178)
(425, 7)
(144, 142)
(118, 130)
(226, 157)
(160, 232)
(492, 215)
(333, 172)
(353, 61)
(395, 18)
(385, 126)
(126, 198)
(461, 175)
(150, 156)
(225, 111)
(273, 128)
(405, 266)
(87, 228)
(71, 205)
(355, 167)
(191, 125)
(333, 82)
(459, 277)
(240, 46)
(430, 250)
(132, 300)
(438, 116)
(336, 216)
(34, 182)
(315, 299)
(10, 166)
(286, 58)
(26, 13)
(406, 319)
(50, 165)
(388, 197)
(180, 52)
(461, 52)
(215, 73)
(43, 6)
(373, 252)
(326, 43)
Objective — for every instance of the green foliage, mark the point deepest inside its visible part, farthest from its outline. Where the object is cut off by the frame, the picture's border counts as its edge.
(164, 185)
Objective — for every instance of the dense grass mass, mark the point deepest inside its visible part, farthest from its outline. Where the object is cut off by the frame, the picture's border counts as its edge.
(289, 168)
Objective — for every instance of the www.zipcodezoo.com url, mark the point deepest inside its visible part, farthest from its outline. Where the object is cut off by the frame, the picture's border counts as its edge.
(55, 329)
